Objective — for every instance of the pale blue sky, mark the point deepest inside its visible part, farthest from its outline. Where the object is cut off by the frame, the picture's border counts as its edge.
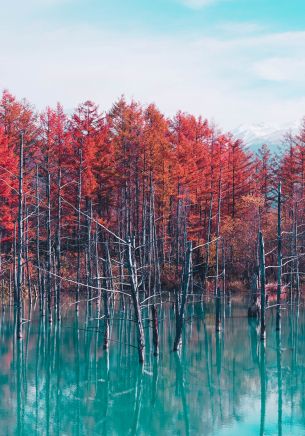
(233, 61)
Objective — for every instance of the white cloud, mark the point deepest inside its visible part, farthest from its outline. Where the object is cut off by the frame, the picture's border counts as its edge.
(49, 2)
(281, 69)
(221, 78)
(240, 28)
(43, 3)
(197, 4)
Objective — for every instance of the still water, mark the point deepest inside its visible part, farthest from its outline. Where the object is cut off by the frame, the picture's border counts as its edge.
(59, 381)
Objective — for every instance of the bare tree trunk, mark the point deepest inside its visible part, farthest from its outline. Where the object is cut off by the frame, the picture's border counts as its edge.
(10, 286)
(218, 309)
(107, 287)
(154, 262)
(217, 236)
(41, 297)
(223, 254)
(19, 242)
(58, 245)
(154, 314)
(133, 277)
(177, 229)
(79, 198)
(263, 284)
(49, 244)
(184, 291)
(279, 260)
(89, 255)
(97, 271)
(296, 253)
(207, 259)
(15, 265)
(26, 253)
(143, 249)
(292, 253)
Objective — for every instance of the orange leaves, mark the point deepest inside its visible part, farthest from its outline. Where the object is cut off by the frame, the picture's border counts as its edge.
(251, 200)
(8, 186)
(140, 168)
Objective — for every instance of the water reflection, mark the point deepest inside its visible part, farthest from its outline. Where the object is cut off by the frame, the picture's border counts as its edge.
(59, 380)
(263, 383)
(279, 381)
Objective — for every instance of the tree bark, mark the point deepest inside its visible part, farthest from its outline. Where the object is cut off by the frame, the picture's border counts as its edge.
(41, 297)
(19, 242)
(279, 259)
(263, 286)
(184, 291)
(135, 298)
(58, 245)
(79, 198)
(49, 243)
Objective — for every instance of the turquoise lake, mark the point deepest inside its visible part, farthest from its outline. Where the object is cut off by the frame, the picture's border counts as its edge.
(58, 380)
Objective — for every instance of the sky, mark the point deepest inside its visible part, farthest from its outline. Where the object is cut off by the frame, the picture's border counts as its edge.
(231, 61)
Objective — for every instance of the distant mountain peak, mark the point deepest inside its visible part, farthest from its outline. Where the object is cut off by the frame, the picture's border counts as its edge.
(255, 135)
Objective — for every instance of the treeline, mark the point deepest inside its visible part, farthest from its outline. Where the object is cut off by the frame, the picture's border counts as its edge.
(93, 178)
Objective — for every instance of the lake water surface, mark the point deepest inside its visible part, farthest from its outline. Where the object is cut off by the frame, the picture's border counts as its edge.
(59, 381)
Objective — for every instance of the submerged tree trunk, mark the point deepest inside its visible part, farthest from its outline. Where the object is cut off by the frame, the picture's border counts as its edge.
(132, 269)
(218, 310)
(184, 290)
(154, 314)
(279, 260)
(279, 381)
(263, 387)
(107, 287)
(263, 285)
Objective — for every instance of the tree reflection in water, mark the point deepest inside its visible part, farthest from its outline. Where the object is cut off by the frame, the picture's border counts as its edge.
(60, 380)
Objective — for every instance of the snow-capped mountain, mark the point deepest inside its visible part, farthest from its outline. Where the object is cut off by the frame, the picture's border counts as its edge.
(255, 135)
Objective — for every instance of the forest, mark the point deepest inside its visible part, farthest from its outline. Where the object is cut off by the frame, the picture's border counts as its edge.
(130, 206)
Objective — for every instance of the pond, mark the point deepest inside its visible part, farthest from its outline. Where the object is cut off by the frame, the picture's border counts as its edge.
(58, 380)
